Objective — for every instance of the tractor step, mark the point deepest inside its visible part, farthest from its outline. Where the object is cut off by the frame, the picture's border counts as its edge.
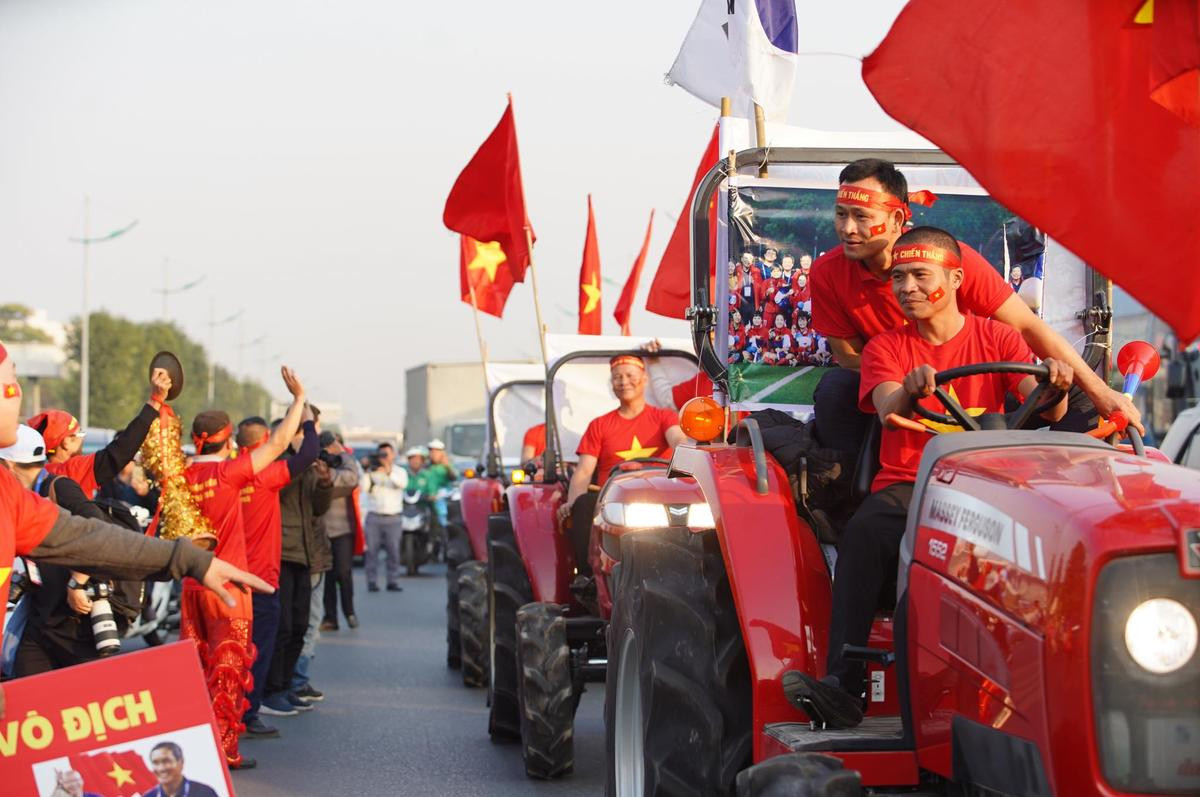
(875, 733)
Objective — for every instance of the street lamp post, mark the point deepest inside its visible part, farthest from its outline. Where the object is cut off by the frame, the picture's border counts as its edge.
(213, 323)
(84, 335)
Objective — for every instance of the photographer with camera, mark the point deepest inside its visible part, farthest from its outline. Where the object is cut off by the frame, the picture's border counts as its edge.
(71, 618)
(384, 484)
(339, 524)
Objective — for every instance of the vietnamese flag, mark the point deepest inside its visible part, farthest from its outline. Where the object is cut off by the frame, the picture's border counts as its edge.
(1175, 56)
(671, 289)
(482, 268)
(589, 279)
(1049, 106)
(487, 201)
(119, 774)
(625, 303)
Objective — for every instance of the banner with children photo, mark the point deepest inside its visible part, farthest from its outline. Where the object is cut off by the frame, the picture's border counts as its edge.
(777, 230)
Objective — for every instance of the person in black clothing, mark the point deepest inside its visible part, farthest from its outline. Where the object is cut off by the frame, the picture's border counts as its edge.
(58, 631)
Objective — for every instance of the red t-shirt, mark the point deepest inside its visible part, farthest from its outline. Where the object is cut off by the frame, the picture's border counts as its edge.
(25, 520)
(262, 522)
(891, 355)
(217, 485)
(612, 439)
(80, 469)
(848, 301)
(535, 436)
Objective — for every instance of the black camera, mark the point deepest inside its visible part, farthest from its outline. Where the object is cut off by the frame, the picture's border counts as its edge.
(332, 460)
(104, 624)
(372, 462)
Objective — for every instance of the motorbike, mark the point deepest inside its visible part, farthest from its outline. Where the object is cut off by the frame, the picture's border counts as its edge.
(416, 523)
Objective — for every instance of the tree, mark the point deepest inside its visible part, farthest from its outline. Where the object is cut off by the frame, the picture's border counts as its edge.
(15, 328)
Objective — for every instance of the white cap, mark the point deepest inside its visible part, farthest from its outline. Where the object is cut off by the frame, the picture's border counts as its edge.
(29, 449)
(416, 451)
(436, 443)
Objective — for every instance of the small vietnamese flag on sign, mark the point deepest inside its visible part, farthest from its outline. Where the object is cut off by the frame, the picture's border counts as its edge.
(482, 268)
(487, 201)
(589, 280)
(625, 303)
(119, 774)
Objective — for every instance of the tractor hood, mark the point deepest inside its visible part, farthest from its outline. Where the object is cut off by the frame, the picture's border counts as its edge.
(1028, 518)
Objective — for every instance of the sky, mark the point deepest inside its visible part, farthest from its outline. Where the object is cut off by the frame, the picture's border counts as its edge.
(296, 155)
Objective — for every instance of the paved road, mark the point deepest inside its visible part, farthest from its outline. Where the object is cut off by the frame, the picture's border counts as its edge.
(396, 721)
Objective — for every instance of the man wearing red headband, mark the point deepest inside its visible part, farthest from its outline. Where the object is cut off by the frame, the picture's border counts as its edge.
(32, 526)
(634, 430)
(64, 439)
(852, 300)
(223, 633)
(898, 367)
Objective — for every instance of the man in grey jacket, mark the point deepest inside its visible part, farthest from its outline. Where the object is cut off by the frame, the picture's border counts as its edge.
(340, 524)
(304, 551)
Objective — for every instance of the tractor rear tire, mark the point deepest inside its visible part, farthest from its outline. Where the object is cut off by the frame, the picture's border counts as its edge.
(508, 591)
(799, 775)
(678, 704)
(458, 550)
(545, 694)
(472, 622)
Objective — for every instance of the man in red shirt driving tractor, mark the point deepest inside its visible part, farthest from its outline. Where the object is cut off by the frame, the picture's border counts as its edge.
(898, 368)
(634, 430)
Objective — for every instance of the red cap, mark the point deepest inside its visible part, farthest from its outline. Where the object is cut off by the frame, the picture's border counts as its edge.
(55, 426)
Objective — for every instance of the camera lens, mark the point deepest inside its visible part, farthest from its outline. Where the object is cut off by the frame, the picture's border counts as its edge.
(104, 625)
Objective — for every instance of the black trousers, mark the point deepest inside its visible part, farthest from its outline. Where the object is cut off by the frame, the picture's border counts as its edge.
(840, 424)
(295, 597)
(582, 512)
(339, 579)
(865, 576)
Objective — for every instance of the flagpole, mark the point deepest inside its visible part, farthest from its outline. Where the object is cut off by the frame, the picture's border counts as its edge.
(483, 352)
(760, 136)
(537, 302)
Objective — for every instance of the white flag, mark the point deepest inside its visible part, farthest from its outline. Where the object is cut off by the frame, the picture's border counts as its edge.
(744, 50)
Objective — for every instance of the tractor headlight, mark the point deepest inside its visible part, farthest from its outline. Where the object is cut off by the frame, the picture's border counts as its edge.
(1160, 635)
(653, 516)
(700, 516)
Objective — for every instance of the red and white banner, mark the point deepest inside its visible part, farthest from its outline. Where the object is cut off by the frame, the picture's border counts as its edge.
(126, 726)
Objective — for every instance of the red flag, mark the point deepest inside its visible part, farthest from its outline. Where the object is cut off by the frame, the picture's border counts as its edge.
(625, 303)
(671, 289)
(1046, 104)
(482, 268)
(1175, 56)
(487, 201)
(119, 774)
(589, 280)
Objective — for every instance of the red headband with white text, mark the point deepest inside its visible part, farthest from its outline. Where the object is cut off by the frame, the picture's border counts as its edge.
(881, 200)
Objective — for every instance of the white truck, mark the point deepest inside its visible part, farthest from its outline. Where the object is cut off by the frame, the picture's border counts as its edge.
(447, 401)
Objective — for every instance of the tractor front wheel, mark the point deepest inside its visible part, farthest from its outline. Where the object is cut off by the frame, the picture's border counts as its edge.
(678, 703)
(545, 694)
(807, 774)
(471, 579)
(508, 591)
(458, 550)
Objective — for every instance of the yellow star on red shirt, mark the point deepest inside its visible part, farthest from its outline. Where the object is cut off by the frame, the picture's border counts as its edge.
(942, 428)
(488, 257)
(636, 451)
(592, 291)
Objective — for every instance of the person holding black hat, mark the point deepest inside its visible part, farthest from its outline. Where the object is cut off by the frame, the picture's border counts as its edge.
(64, 437)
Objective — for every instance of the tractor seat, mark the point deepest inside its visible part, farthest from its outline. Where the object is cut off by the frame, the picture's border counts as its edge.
(868, 462)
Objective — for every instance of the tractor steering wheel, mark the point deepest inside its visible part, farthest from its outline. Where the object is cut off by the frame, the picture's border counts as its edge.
(647, 460)
(957, 415)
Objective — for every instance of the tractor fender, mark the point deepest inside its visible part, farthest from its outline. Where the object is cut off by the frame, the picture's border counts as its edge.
(545, 551)
(480, 497)
(781, 588)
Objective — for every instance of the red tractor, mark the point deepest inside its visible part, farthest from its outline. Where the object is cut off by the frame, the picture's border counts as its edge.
(547, 613)
(511, 407)
(1043, 641)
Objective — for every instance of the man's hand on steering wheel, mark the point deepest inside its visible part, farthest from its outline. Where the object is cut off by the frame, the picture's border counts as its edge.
(1061, 374)
(920, 382)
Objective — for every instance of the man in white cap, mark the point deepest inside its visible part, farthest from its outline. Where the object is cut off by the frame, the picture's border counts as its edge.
(441, 474)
